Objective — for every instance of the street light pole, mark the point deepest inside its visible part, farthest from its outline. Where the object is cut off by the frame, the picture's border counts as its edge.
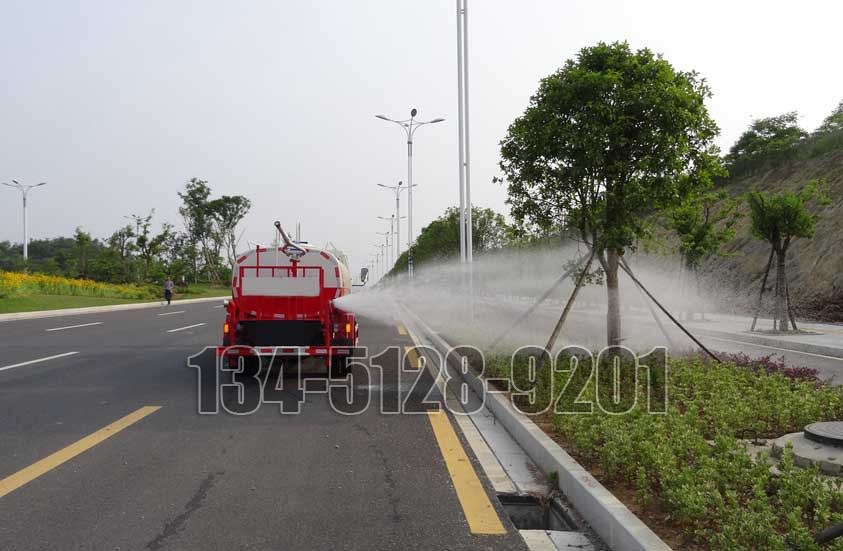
(466, 238)
(397, 189)
(385, 235)
(24, 189)
(410, 126)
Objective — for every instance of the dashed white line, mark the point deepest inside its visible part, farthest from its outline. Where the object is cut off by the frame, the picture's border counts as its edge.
(171, 313)
(74, 326)
(220, 306)
(30, 362)
(777, 348)
(183, 328)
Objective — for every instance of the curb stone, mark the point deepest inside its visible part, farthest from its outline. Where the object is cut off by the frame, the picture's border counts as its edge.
(99, 309)
(607, 515)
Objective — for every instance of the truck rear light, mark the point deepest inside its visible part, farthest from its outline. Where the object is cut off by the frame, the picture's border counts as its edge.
(347, 328)
(225, 329)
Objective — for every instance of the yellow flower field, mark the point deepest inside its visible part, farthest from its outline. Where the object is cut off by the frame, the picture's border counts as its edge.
(15, 283)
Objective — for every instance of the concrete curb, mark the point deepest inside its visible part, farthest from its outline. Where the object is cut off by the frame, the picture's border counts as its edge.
(99, 309)
(775, 342)
(611, 519)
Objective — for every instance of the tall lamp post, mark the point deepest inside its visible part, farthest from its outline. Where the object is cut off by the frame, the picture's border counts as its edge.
(387, 244)
(24, 189)
(466, 239)
(410, 126)
(397, 189)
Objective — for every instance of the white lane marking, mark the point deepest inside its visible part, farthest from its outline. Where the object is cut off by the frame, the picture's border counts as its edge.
(776, 348)
(74, 326)
(220, 306)
(171, 313)
(183, 328)
(30, 362)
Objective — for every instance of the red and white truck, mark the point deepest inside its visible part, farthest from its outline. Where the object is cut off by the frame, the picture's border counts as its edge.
(282, 306)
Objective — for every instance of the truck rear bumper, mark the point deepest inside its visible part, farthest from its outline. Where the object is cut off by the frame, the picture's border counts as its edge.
(291, 351)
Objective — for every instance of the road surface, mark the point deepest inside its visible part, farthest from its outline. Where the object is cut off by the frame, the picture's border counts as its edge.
(102, 447)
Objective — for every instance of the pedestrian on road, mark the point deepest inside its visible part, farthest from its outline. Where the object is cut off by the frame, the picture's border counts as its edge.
(168, 290)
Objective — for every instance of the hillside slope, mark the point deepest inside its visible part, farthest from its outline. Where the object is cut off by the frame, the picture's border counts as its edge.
(814, 266)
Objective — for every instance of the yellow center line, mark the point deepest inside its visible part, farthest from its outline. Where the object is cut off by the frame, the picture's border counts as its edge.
(410, 351)
(479, 511)
(401, 330)
(28, 474)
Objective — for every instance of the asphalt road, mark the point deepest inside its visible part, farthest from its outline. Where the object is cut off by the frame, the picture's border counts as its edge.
(171, 478)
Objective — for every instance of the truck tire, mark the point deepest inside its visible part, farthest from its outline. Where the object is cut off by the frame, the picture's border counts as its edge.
(339, 367)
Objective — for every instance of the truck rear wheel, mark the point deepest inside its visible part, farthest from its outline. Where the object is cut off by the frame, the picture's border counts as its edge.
(339, 366)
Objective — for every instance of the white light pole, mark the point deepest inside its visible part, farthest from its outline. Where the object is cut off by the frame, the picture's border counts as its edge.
(397, 189)
(386, 242)
(24, 189)
(466, 238)
(410, 126)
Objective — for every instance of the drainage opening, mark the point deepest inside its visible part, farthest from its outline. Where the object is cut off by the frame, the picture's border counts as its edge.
(531, 513)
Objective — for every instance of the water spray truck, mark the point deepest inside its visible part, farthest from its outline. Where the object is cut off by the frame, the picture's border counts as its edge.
(282, 306)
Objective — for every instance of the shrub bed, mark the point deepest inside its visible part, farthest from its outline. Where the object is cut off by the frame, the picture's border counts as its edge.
(691, 466)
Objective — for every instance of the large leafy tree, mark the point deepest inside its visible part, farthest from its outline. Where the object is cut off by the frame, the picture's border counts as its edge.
(612, 136)
(227, 212)
(779, 219)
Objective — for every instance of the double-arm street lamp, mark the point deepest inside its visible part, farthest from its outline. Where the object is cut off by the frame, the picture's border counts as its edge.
(397, 189)
(24, 189)
(410, 126)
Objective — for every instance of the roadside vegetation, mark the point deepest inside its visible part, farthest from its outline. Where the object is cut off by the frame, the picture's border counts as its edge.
(688, 472)
(131, 264)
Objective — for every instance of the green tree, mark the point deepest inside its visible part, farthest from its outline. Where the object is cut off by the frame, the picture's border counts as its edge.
(227, 212)
(122, 244)
(149, 245)
(198, 222)
(608, 139)
(83, 243)
(779, 218)
(768, 140)
(832, 123)
(440, 239)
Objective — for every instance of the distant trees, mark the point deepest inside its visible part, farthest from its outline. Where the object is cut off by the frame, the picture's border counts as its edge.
(608, 139)
(775, 141)
(144, 251)
(779, 219)
(441, 238)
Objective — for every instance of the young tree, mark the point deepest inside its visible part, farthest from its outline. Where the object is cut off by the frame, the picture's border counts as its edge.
(149, 245)
(122, 243)
(198, 221)
(83, 243)
(227, 212)
(607, 140)
(779, 218)
(703, 223)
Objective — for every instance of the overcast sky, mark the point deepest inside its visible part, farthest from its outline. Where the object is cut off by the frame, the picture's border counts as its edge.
(117, 103)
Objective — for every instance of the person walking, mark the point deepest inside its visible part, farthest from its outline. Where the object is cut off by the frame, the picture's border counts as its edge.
(168, 290)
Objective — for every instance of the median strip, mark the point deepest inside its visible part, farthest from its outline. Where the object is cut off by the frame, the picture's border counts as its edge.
(28, 474)
(74, 326)
(30, 362)
(188, 327)
(478, 509)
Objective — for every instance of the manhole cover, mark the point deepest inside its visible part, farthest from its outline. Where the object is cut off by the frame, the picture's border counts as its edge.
(829, 433)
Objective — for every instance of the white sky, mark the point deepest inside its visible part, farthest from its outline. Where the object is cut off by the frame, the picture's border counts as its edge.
(118, 103)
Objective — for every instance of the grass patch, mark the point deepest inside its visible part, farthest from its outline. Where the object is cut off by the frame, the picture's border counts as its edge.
(687, 472)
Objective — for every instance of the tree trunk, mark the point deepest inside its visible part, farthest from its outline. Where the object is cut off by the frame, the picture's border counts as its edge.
(613, 312)
(781, 307)
(761, 293)
(788, 304)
